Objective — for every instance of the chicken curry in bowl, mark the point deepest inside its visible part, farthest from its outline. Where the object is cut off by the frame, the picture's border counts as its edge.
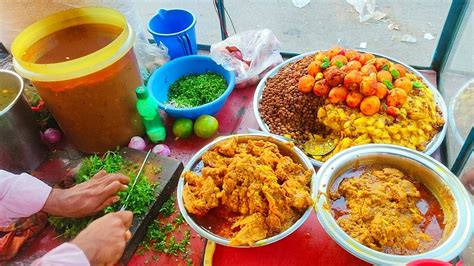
(248, 189)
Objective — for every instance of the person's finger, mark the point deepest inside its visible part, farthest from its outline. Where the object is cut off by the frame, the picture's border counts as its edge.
(107, 202)
(118, 177)
(128, 235)
(111, 189)
(99, 174)
(126, 217)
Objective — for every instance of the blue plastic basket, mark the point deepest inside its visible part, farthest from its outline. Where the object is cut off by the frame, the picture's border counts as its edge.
(165, 76)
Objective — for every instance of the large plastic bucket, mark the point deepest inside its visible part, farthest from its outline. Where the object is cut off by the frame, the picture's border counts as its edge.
(83, 65)
(175, 28)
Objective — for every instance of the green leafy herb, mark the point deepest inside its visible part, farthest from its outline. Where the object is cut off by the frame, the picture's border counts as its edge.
(195, 90)
(326, 63)
(168, 207)
(339, 64)
(395, 73)
(388, 84)
(417, 84)
(112, 162)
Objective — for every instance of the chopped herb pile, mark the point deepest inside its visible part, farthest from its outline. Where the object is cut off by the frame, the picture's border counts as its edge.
(160, 237)
(140, 199)
(195, 90)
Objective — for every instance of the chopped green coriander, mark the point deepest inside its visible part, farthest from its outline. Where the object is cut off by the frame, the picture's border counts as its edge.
(195, 90)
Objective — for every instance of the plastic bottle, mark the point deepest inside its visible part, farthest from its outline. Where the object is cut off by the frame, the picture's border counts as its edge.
(151, 117)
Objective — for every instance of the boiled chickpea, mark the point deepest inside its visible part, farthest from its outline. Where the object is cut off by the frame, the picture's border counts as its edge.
(320, 56)
(401, 69)
(337, 94)
(370, 105)
(333, 52)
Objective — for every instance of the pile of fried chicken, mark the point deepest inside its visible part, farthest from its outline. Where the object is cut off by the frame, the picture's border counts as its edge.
(267, 189)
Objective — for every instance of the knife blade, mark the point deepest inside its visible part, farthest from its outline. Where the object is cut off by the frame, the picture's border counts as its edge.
(124, 206)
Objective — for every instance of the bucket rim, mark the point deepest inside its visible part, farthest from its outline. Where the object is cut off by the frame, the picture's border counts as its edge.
(193, 23)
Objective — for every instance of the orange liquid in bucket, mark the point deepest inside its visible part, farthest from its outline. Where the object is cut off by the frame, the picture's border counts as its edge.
(96, 111)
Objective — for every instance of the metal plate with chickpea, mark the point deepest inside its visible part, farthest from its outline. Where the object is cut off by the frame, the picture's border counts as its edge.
(307, 98)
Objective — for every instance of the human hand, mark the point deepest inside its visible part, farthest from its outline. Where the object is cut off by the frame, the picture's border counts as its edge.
(467, 178)
(104, 240)
(86, 198)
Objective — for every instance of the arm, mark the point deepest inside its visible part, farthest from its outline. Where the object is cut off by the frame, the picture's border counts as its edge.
(20, 196)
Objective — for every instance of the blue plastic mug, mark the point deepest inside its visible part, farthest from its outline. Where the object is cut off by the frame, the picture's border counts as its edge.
(175, 28)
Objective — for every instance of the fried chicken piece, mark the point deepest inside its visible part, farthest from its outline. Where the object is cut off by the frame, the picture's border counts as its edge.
(214, 159)
(287, 169)
(269, 158)
(199, 194)
(227, 147)
(256, 147)
(252, 229)
(297, 194)
(217, 174)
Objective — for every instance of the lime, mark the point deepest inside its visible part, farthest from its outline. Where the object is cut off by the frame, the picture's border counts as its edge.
(205, 126)
(183, 128)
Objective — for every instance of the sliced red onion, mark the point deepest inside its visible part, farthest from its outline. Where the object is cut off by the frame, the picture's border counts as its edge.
(137, 143)
(52, 136)
(162, 149)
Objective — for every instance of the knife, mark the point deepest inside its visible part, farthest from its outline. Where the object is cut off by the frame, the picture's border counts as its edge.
(124, 206)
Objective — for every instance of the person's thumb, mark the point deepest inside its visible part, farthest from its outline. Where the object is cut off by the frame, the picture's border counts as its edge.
(126, 217)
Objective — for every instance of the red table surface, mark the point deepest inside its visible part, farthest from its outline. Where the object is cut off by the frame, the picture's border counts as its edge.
(309, 245)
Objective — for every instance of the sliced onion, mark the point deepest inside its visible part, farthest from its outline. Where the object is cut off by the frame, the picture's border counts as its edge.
(162, 149)
(137, 143)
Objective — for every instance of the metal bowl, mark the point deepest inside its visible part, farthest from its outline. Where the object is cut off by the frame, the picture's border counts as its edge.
(444, 185)
(430, 148)
(195, 164)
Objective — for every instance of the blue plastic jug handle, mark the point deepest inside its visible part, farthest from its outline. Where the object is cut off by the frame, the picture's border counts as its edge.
(186, 44)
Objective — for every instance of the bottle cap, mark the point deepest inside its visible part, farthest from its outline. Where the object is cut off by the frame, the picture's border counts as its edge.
(141, 92)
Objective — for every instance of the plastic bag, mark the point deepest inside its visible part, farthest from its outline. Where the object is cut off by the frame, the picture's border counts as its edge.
(249, 54)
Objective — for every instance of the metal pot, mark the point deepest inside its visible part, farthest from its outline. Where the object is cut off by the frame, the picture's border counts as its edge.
(21, 148)
(444, 185)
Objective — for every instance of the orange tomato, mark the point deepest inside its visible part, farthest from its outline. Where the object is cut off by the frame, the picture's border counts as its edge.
(314, 68)
(384, 75)
(333, 52)
(381, 90)
(321, 88)
(403, 83)
(353, 99)
(354, 65)
(368, 86)
(381, 62)
(351, 54)
(319, 56)
(339, 58)
(306, 83)
(370, 105)
(364, 58)
(337, 94)
(401, 69)
(368, 69)
(396, 97)
(352, 80)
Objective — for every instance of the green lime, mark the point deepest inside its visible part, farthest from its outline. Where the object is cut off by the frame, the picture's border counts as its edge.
(205, 126)
(183, 128)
